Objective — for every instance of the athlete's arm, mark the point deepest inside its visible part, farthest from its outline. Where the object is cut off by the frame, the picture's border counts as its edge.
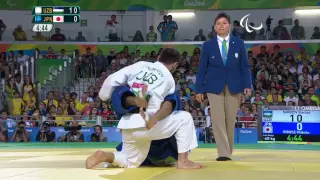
(167, 105)
(165, 110)
(170, 104)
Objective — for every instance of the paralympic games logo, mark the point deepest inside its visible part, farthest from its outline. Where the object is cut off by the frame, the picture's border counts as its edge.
(247, 26)
(53, 70)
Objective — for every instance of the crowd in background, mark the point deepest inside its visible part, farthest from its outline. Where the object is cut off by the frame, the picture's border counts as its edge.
(279, 78)
(167, 30)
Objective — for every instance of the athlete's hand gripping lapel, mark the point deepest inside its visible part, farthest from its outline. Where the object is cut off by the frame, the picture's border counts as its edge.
(150, 122)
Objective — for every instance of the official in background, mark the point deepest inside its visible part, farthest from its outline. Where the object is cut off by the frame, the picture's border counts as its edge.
(98, 135)
(223, 73)
(45, 134)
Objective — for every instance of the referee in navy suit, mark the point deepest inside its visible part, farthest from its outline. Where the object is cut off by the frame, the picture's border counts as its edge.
(223, 74)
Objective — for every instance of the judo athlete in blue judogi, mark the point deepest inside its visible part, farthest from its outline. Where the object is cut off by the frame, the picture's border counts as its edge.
(162, 152)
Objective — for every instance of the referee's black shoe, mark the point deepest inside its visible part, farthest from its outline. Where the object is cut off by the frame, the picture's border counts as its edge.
(223, 159)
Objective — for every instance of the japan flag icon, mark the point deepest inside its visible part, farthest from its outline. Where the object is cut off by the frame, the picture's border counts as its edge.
(268, 129)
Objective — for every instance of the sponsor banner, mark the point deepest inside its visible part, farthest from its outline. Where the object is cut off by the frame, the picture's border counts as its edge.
(246, 136)
(44, 67)
(113, 134)
(138, 5)
(189, 47)
(242, 135)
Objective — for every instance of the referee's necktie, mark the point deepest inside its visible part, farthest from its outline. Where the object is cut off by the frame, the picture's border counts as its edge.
(224, 52)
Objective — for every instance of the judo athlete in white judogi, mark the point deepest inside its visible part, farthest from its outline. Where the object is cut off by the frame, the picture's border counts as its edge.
(138, 131)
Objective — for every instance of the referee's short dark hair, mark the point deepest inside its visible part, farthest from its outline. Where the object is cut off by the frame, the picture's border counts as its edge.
(169, 56)
(222, 15)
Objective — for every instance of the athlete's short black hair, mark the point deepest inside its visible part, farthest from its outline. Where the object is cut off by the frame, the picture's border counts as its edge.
(169, 56)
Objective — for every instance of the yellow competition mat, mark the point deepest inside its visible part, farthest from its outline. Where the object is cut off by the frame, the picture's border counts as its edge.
(37, 161)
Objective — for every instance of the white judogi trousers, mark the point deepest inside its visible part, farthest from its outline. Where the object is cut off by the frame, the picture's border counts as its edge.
(136, 142)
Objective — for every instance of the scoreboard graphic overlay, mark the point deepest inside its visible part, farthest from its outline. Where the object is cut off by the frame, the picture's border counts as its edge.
(290, 123)
(44, 17)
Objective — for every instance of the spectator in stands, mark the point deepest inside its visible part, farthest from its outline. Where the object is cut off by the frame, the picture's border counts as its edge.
(45, 134)
(250, 36)
(280, 32)
(262, 35)
(74, 134)
(316, 33)
(98, 135)
(274, 100)
(291, 97)
(80, 37)
(22, 58)
(317, 83)
(10, 89)
(113, 27)
(7, 122)
(17, 104)
(237, 30)
(87, 59)
(163, 28)
(27, 87)
(311, 91)
(315, 57)
(172, 27)
(100, 62)
(111, 56)
(302, 56)
(247, 118)
(212, 33)
(3, 134)
(83, 103)
(297, 31)
(19, 34)
(57, 94)
(200, 36)
(307, 101)
(254, 109)
(20, 133)
(2, 28)
(50, 98)
(304, 87)
(58, 36)
(316, 96)
(42, 109)
(4, 68)
(257, 99)
(151, 36)
(39, 37)
(138, 37)
(63, 54)
(12, 63)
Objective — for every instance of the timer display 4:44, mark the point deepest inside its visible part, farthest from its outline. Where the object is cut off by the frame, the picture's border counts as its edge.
(294, 138)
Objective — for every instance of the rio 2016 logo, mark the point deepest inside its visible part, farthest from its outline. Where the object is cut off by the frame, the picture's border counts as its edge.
(247, 26)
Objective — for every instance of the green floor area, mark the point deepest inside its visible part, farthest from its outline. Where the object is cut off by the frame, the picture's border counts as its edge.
(273, 146)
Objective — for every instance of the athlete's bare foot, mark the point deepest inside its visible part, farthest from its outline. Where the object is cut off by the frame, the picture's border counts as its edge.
(188, 165)
(97, 158)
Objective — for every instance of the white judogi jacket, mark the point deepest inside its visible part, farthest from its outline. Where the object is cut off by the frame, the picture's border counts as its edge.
(160, 84)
